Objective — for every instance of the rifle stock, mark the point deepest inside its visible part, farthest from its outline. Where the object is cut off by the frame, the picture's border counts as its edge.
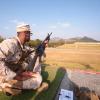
(39, 50)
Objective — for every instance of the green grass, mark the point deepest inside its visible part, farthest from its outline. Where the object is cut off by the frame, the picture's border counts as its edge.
(52, 75)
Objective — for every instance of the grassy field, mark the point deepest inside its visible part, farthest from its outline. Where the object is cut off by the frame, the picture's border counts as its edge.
(82, 45)
(74, 58)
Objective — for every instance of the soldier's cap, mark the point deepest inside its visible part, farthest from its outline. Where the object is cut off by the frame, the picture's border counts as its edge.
(23, 27)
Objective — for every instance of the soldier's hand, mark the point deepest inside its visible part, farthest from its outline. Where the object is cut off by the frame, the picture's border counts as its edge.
(46, 43)
(39, 51)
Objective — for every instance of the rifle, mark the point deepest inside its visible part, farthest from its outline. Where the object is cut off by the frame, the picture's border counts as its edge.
(39, 51)
(41, 47)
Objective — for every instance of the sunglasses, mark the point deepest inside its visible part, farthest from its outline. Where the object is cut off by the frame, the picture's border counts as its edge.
(28, 33)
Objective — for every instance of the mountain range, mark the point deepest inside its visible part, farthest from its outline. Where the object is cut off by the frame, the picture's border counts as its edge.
(75, 39)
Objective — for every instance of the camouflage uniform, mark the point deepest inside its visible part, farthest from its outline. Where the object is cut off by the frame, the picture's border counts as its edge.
(11, 51)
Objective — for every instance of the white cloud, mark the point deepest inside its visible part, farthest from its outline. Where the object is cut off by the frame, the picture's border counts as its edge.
(64, 24)
(60, 25)
(15, 21)
(34, 25)
(53, 27)
(21, 22)
(6, 28)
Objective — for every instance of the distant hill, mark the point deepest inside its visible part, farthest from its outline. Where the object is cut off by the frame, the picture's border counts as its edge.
(87, 39)
(75, 39)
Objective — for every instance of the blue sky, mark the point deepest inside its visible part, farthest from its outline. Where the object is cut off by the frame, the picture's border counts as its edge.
(65, 18)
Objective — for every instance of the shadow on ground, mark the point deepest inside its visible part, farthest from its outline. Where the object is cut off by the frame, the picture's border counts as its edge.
(53, 86)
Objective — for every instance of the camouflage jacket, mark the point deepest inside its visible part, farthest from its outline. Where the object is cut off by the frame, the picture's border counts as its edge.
(11, 52)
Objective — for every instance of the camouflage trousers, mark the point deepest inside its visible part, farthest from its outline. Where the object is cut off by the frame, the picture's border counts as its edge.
(29, 80)
(26, 81)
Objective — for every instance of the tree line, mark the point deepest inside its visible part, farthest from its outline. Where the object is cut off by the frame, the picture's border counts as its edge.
(36, 42)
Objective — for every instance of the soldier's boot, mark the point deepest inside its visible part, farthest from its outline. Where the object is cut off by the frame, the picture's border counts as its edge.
(44, 86)
(15, 89)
